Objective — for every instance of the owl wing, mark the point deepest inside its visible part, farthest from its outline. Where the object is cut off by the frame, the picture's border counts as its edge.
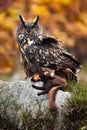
(50, 53)
(61, 52)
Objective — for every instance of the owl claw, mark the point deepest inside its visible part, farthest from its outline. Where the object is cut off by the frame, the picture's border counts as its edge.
(35, 77)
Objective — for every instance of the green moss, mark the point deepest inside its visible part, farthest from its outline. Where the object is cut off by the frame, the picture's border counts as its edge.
(37, 123)
(78, 117)
(25, 121)
(84, 69)
(79, 91)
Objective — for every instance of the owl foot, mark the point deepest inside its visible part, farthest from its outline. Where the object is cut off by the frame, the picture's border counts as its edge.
(36, 77)
(42, 76)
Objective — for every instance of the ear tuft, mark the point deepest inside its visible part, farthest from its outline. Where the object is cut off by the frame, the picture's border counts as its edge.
(22, 20)
(36, 20)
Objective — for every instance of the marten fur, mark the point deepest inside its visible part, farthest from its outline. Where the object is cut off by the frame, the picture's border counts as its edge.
(51, 82)
(51, 97)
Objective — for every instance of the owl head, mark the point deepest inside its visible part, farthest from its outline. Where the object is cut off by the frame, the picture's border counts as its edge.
(28, 30)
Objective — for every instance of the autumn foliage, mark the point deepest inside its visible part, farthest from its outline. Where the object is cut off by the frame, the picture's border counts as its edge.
(64, 19)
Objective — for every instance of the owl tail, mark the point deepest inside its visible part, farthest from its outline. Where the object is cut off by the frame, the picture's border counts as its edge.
(70, 75)
(76, 63)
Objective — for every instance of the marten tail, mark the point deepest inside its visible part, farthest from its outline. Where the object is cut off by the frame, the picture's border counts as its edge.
(51, 97)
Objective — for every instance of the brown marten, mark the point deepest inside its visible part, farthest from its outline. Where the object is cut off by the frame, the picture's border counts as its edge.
(52, 79)
(50, 82)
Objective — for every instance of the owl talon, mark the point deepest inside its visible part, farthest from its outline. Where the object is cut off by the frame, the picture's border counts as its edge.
(49, 74)
(36, 77)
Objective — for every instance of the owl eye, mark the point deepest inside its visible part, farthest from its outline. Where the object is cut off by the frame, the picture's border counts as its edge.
(21, 38)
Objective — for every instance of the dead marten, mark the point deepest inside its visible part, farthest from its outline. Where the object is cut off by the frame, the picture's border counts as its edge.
(50, 82)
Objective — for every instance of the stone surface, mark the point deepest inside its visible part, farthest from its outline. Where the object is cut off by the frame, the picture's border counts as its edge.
(19, 97)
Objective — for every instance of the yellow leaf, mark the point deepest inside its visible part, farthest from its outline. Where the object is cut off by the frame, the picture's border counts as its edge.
(39, 10)
(64, 2)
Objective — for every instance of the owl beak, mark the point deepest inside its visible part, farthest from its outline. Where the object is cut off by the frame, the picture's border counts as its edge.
(22, 21)
(36, 20)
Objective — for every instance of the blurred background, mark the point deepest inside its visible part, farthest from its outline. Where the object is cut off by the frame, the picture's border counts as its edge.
(64, 19)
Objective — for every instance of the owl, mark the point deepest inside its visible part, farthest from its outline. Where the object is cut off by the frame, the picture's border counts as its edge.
(42, 53)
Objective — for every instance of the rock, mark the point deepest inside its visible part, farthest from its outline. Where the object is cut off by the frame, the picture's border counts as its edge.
(19, 101)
